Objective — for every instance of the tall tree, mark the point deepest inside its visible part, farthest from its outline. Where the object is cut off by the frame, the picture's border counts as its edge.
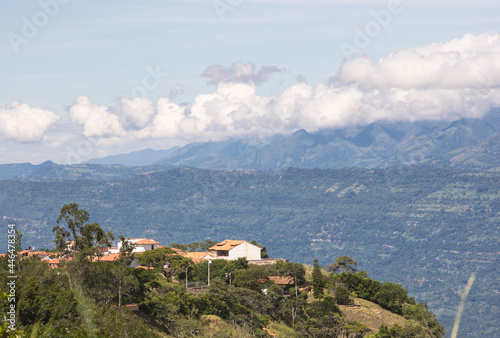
(86, 238)
(126, 251)
(18, 243)
(344, 263)
(75, 220)
(318, 280)
(94, 239)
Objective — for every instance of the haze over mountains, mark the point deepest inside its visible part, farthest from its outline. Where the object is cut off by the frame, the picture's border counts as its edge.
(472, 144)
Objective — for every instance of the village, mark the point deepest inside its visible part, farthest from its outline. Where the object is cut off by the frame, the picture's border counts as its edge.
(229, 250)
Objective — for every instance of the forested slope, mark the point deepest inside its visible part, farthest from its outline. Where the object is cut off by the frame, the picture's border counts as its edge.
(427, 228)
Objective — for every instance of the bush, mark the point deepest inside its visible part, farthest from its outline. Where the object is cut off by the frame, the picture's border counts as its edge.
(342, 296)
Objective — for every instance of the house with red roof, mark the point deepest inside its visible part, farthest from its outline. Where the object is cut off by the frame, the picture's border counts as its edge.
(140, 245)
(232, 250)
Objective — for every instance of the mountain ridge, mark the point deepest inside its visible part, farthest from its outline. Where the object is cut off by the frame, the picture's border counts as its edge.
(376, 145)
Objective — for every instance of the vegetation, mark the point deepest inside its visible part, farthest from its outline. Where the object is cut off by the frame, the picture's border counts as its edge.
(85, 297)
(425, 228)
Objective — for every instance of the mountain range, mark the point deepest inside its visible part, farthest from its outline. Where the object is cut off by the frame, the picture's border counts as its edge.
(472, 144)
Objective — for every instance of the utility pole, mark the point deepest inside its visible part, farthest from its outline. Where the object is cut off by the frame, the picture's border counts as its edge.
(186, 277)
(295, 285)
(209, 262)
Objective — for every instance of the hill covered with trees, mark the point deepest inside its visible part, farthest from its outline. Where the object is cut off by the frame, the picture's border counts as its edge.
(85, 296)
(426, 228)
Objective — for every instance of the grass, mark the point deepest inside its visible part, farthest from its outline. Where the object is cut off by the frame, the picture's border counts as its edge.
(371, 314)
(215, 327)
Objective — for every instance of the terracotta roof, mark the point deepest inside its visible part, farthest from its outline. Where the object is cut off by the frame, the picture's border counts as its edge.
(35, 253)
(54, 262)
(144, 267)
(110, 257)
(146, 241)
(226, 245)
(196, 256)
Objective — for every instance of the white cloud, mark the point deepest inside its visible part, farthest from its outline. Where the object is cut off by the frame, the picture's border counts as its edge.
(460, 78)
(96, 120)
(22, 123)
(470, 62)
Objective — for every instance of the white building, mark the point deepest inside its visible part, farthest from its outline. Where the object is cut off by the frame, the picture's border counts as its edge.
(140, 245)
(232, 250)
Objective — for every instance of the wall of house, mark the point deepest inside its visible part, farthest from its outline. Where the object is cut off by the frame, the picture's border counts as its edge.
(144, 247)
(250, 251)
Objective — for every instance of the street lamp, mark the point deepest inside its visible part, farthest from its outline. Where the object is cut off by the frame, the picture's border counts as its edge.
(209, 262)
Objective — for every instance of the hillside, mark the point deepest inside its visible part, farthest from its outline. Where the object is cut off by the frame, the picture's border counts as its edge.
(427, 228)
(466, 144)
(110, 298)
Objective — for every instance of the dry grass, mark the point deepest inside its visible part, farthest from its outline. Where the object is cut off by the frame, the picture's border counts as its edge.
(371, 314)
(215, 327)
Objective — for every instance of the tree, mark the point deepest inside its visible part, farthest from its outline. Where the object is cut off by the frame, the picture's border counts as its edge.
(94, 239)
(391, 296)
(75, 220)
(17, 246)
(342, 296)
(87, 238)
(318, 280)
(344, 263)
(125, 281)
(165, 259)
(126, 251)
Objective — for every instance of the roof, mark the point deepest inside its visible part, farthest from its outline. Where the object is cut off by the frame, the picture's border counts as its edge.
(110, 257)
(146, 241)
(141, 241)
(228, 244)
(35, 253)
(196, 256)
(54, 262)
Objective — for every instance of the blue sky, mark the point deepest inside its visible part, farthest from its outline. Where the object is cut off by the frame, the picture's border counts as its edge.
(82, 79)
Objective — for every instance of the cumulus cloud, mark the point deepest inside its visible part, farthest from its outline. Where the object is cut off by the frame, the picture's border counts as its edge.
(96, 120)
(460, 78)
(239, 72)
(22, 123)
(469, 62)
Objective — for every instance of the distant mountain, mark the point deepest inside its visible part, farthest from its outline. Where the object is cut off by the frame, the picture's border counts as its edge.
(141, 157)
(50, 171)
(377, 145)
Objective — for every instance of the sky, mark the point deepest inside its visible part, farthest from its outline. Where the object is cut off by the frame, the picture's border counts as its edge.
(86, 79)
